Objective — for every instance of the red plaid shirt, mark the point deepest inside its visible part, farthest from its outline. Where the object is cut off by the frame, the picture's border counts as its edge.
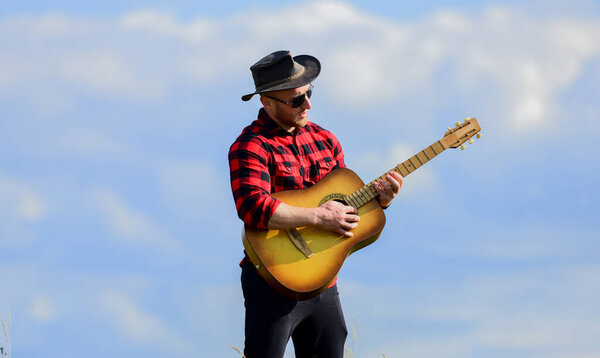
(266, 159)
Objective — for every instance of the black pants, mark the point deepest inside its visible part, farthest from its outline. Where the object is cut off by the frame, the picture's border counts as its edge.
(316, 326)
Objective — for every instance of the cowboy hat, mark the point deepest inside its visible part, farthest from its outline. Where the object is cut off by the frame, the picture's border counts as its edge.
(279, 71)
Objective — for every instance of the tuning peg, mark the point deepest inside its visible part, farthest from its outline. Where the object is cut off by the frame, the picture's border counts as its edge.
(449, 128)
(471, 141)
(467, 119)
(457, 124)
(462, 147)
(478, 135)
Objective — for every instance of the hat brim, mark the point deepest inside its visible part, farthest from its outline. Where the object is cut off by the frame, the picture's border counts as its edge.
(312, 68)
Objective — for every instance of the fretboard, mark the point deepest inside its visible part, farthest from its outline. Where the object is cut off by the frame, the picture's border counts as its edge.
(368, 192)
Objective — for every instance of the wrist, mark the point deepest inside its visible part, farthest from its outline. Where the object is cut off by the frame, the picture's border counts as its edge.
(314, 216)
(384, 205)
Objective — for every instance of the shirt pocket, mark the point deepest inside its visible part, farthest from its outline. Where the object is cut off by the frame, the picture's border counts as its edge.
(287, 176)
(323, 167)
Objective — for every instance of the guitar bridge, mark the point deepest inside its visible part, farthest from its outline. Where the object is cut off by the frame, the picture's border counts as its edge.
(299, 242)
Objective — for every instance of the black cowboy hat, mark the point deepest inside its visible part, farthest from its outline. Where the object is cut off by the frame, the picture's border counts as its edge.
(279, 70)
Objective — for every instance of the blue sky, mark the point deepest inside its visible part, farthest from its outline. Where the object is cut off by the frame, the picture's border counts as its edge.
(118, 233)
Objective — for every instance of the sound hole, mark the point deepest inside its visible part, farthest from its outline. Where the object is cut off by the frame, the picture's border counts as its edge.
(339, 197)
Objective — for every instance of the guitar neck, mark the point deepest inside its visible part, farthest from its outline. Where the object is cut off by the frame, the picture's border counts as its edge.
(368, 192)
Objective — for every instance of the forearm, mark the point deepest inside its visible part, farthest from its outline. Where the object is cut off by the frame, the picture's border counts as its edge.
(332, 216)
(287, 217)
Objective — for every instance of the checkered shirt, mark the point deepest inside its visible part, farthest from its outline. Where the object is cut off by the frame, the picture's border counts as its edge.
(266, 159)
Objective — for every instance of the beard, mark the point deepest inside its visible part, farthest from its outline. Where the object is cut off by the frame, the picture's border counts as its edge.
(292, 117)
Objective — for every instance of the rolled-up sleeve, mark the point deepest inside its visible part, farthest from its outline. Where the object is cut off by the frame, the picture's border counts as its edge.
(251, 182)
(338, 153)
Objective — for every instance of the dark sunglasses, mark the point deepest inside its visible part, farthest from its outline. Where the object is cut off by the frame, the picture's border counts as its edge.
(297, 101)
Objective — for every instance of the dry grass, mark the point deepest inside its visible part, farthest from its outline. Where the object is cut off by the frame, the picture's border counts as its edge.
(347, 352)
(239, 351)
(5, 352)
(350, 351)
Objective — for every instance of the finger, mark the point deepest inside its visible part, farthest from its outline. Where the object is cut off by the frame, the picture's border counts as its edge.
(395, 174)
(386, 187)
(351, 209)
(352, 218)
(345, 232)
(392, 185)
(398, 178)
(349, 226)
(380, 190)
(396, 181)
(388, 184)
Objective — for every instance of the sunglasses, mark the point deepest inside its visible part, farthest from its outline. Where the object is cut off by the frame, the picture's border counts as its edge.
(297, 101)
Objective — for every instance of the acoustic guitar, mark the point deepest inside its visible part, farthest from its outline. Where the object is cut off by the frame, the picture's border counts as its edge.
(301, 263)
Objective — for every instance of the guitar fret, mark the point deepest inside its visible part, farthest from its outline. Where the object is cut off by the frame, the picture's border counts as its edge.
(425, 153)
(363, 195)
(417, 156)
(424, 159)
(363, 199)
(352, 201)
(432, 152)
(405, 167)
(411, 162)
(371, 189)
(399, 168)
(359, 198)
(433, 149)
(372, 192)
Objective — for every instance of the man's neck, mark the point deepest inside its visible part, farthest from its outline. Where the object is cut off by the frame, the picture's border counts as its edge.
(285, 127)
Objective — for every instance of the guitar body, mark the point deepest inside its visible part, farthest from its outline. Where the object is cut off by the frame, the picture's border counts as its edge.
(285, 267)
(301, 263)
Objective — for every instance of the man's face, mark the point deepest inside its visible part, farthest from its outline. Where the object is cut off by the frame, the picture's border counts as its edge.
(284, 114)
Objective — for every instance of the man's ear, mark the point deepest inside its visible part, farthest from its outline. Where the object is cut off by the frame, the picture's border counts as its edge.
(266, 102)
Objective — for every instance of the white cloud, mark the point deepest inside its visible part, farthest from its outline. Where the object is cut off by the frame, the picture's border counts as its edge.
(42, 309)
(47, 26)
(191, 187)
(160, 24)
(529, 311)
(528, 65)
(8, 76)
(523, 242)
(525, 61)
(130, 225)
(100, 70)
(20, 201)
(31, 207)
(135, 324)
(84, 141)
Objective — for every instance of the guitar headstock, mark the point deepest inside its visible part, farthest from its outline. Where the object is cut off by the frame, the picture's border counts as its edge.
(457, 136)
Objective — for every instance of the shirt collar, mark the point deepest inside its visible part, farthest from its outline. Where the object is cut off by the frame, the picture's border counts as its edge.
(272, 127)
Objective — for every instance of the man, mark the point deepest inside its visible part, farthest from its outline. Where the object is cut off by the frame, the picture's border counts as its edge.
(283, 150)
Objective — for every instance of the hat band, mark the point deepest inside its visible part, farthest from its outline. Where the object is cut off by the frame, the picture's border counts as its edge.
(283, 80)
